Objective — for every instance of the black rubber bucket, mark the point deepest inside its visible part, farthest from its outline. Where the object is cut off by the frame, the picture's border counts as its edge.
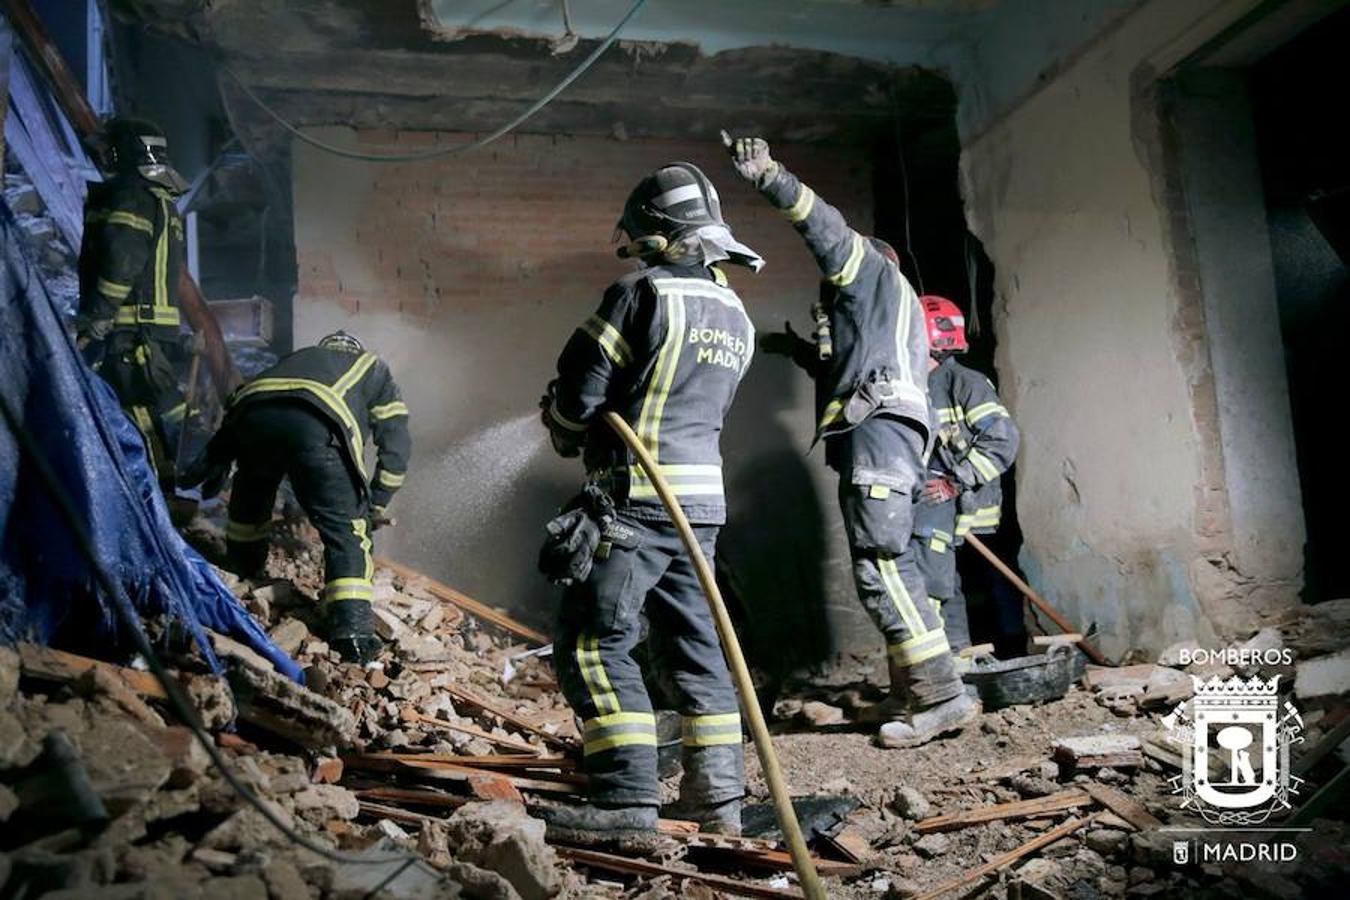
(1045, 676)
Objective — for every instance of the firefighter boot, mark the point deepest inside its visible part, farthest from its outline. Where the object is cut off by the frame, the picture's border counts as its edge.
(947, 717)
(632, 827)
(898, 703)
(349, 628)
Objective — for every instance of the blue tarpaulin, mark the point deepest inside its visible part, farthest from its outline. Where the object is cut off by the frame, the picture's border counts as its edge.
(100, 460)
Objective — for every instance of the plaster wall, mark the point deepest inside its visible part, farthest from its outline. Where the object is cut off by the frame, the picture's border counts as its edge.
(468, 275)
(1103, 346)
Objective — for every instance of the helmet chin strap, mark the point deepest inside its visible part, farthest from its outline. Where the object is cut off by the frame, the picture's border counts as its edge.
(643, 246)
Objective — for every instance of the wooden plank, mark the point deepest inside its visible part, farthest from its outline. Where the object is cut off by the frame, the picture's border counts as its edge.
(510, 718)
(394, 814)
(442, 771)
(561, 763)
(466, 603)
(1127, 808)
(1017, 809)
(1008, 858)
(629, 866)
(412, 715)
(47, 664)
(412, 796)
(850, 845)
(53, 65)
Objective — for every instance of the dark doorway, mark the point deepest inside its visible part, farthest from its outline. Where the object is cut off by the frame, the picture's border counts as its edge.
(1304, 151)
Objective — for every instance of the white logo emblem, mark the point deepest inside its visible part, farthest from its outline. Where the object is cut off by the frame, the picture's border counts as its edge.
(1235, 750)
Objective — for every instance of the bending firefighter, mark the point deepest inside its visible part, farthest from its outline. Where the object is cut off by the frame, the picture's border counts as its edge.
(308, 418)
(868, 358)
(131, 255)
(976, 443)
(666, 351)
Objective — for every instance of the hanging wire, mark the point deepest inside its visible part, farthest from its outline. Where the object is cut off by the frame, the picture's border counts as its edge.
(456, 150)
(904, 183)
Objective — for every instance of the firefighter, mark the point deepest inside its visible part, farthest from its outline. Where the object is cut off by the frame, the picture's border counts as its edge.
(666, 351)
(868, 357)
(976, 443)
(308, 418)
(131, 255)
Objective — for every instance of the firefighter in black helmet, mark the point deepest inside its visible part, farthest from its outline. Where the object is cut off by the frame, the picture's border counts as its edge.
(130, 258)
(666, 350)
(308, 419)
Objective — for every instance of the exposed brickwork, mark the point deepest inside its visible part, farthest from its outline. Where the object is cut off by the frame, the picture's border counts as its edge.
(530, 218)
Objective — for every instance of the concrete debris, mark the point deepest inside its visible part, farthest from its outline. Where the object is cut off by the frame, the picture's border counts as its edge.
(501, 837)
(1323, 677)
(820, 714)
(908, 803)
(321, 802)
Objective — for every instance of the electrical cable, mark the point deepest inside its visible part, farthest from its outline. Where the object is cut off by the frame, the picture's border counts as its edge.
(904, 183)
(457, 149)
(180, 706)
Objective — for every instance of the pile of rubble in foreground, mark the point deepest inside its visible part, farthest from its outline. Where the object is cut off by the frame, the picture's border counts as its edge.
(417, 772)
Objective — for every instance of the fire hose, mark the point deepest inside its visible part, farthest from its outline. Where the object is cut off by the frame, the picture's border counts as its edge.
(740, 673)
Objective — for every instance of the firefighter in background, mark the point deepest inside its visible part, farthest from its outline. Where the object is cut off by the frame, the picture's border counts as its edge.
(131, 256)
(666, 351)
(977, 442)
(868, 358)
(308, 418)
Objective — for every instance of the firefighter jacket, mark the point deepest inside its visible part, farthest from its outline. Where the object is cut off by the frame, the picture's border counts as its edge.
(130, 257)
(977, 443)
(357, 395)
(878, 341)
(666, 351)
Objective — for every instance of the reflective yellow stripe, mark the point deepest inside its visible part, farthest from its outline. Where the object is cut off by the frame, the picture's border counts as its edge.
(146, 315)
(718, 276)
(985, 410)
(593, 673)
(710, 730)
(389, 410)
(349, 589)
(798, 211)
(162, 260)
(937, 544)
(324, 394)
(950, 415)
(361, 530)
(622, 739)
(685, 480)
(663, 375)
(919, 649)
(113, 289)
(834, 411)
(983, 465)
(390, 480)
(354, 374)
(904, 604)
(145, 424)
(845, 276)
(618, 730)
(609, 339)
(246, 533)
(176, 414)
(131, 220)
(942, 535)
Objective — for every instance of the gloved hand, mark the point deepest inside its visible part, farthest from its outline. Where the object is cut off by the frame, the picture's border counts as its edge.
(939, 490)
(751, 159)
(204, 471)
(378, 518)
(88, 331)
(784, 343)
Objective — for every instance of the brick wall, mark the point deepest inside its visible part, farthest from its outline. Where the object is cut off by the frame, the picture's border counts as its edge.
(469, 274)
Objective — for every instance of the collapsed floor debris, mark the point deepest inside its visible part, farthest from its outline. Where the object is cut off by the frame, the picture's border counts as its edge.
(441, 750)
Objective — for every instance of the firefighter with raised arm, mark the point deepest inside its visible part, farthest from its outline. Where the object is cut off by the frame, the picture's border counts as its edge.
(868, 356)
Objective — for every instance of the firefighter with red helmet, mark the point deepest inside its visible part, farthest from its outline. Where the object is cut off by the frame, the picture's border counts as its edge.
(976, 443)
(868, 356)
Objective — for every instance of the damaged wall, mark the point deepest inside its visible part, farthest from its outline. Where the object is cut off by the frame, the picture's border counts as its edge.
(1104, 349)
(469, 274)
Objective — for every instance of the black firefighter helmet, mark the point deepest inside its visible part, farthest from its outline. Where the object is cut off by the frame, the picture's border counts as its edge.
(675, 213)
(136, 145)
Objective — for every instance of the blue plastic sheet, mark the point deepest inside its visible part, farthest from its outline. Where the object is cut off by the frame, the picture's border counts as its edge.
(100, 460)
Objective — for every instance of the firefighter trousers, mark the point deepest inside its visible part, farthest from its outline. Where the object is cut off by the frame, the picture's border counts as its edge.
(881, 468)
(139, 371)
(280, 439)
(935, 553)
(600, 624)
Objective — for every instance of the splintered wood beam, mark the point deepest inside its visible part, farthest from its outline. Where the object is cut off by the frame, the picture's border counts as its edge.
(1127, 808)
(438, 770)
(1018, 809)
(510, 718)
(411, 715)
(412, 797)
(468, 604)
(629, 866)
(1008, 858)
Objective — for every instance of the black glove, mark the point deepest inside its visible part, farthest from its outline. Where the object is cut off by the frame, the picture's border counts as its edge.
(785, 343)
(378, 517)
(207, 472)
(573, 536)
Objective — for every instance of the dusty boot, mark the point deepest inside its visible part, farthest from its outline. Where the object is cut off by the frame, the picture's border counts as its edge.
(718, 818)
(349, 628)
(921, 727)
(602, 824)
(898, 703)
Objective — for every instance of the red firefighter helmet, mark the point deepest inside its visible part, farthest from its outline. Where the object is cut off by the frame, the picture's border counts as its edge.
(946, 324)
